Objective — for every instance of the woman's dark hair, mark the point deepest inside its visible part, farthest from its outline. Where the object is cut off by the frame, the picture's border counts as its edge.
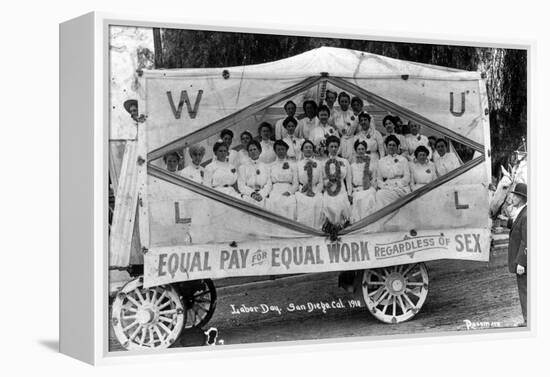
(256, 143)
(342, 94)
(165, 157)
(392, 138)
(219, 144)
(246, 133)
(289, 103)
(226, 132)
(263, 125)
(390, 118)
(332, 139)
(432, 138)
(358, 143)
(280, 142)
(441, 141)
(307, 141)
(290, 120)
(357, 99)
(421, 148)
(323, 108)
(364, 114)
(330, 91)
(312, 103)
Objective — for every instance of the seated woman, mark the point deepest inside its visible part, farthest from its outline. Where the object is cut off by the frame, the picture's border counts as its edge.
(254, 181)
(389, 124)
(393, 175)
(284, 179)
(363, 172)
(324, 129)
(445, 161)
(294, 143)
(346, 123)
(370, 135)
(172, 160)
(309, 122)
(337, 184)
(246, 137)
(232, 156)
(220, 174)
(422, 169)
(309, 198)
(195, 171)
(264, 131)
(280, 131)
(415, 139)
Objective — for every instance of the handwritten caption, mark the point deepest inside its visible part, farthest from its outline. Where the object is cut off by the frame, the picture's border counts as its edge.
(307, 307)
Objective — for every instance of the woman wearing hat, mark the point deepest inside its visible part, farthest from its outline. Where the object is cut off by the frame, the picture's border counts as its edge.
(195, 171)
(309, 198)
(422, 169)
(294, 143)
(220, 174)
(393, 174)
(284, 179)
(254, 181)
(268, 155)
(337, 185)
(446, 161)
(363, 171)
(372, 138)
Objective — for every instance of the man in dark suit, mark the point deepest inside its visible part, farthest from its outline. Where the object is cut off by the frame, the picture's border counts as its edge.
(517, 244)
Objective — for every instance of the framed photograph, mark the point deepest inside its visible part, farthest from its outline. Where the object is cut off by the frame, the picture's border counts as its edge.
(244, 187)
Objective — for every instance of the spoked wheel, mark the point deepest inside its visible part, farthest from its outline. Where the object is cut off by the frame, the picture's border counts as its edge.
(395, 294)
(147, 318)
(199, 297)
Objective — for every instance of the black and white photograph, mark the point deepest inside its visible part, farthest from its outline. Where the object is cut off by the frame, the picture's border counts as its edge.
(267, 188)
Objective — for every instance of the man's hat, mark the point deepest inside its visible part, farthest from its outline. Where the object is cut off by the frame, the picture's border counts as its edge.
(520, 189)
(130, 102)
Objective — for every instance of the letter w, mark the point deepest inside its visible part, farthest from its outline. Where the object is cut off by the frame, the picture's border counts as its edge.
(184, 98)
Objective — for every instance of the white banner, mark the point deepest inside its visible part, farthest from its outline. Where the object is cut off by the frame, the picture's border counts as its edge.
(165, 265)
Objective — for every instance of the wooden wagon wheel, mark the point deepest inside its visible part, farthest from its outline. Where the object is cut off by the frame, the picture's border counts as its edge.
(147, 318)
(395, 294)
(200, 302)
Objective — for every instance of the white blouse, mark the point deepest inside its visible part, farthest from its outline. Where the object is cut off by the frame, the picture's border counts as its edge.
(320, 133)
(305, 125)
(345, 121)
(254, 177)
(268, 154)
(294, 147)
(284, 171)
(414, 141)
(357, 172)
(219, 174)
(193, 172)
(446, 163)
(393, 171)
(374, 140)
(422, 174)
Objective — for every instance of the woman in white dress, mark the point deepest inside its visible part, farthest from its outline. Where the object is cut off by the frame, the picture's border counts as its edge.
(232, 155)
(446, 161)
(389, 125)
(254, 181)
(337, 185)
(284, 179)
(324, 129)
(370, 135)
(309, 122)
(246, 137)
(431, 143)
(330, 99)
(194, 171)
(294, 143)
(220, 174)
(415, 139)
(422, 169)
(309, 197)
(280, 131)
(393, 175)
(363, 172)
(346, 123)
(268, 155)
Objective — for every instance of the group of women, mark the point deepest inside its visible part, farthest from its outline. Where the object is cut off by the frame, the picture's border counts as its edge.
(331, 165)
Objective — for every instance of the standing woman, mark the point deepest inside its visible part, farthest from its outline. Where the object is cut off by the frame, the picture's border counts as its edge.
(254, 181)
(324, 129)
(337, 184)
(309, 198)
(370, 135)
(294, 143)
(346, 123)
(446, 161)
(415, 139)
(290, 109)
(393, 175)
(195, 171)
(220, 174)
(330, 99)
(363, 172)
(246, 137)
(422, 169)
(232, 155)
(267, 156)
(389, 125)
(309, 122)
(284, 179)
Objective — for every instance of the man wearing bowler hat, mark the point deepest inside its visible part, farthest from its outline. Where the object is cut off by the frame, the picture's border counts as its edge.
(517, 244)
(131, 106)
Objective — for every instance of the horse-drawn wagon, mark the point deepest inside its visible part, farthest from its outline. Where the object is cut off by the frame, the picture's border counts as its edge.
(177, 237)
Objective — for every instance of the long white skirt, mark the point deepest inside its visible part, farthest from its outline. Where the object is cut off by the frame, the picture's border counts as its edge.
(346, 147)
(309, 209)
(280, 204)
(337, 209)
(364, 203)
(387, 196)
